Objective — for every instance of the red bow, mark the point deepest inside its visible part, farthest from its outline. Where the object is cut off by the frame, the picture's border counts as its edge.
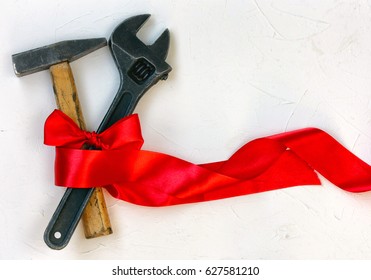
(155, 179)
(61, 131)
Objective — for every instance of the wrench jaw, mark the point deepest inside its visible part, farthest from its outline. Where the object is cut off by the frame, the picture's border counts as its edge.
(161, 45)
(132, 24)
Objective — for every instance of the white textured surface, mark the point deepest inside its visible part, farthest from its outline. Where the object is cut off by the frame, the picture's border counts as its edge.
(241, 70)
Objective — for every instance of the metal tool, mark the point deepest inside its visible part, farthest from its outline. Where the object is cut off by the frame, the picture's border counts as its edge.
(141, 66)
(56, 58)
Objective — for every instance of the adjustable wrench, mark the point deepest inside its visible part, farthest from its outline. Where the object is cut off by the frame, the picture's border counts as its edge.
(140, 66)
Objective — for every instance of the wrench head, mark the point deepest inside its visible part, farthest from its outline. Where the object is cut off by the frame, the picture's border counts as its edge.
(137, 62)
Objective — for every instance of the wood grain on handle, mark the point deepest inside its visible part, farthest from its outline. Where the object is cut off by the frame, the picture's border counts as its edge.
(95, 216)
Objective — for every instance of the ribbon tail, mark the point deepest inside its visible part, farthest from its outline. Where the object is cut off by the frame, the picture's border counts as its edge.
(329, 158)
(162, 180)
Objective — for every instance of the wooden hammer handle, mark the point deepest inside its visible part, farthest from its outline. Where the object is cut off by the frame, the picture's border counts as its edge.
(95, 216)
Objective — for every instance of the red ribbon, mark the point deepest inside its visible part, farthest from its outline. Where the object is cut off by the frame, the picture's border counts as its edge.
(156, 179)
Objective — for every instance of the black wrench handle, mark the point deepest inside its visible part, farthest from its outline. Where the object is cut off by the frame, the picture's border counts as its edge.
(66, 217)
(122, 106)
(68, 213)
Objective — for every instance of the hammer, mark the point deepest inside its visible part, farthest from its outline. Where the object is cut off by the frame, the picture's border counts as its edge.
(56, 58)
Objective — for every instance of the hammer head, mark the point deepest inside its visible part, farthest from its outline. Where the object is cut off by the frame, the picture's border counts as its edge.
(43, 58)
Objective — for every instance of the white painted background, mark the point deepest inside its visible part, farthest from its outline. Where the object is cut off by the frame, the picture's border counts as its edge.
(241, 70)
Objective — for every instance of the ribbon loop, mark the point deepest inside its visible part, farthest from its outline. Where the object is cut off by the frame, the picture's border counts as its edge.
(61, 131)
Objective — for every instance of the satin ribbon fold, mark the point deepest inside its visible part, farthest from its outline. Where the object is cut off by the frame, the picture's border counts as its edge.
(156, 179)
